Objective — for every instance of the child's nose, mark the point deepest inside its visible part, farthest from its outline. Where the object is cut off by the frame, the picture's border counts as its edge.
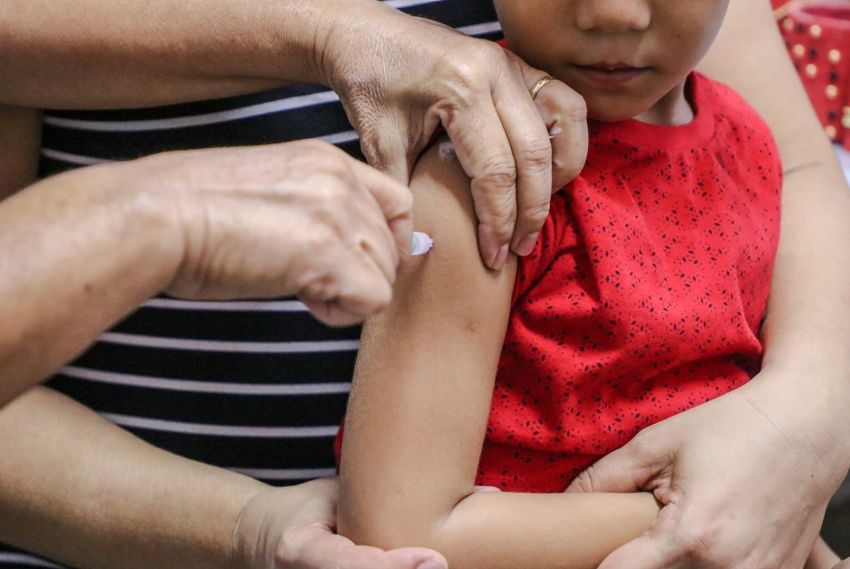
(613, 15)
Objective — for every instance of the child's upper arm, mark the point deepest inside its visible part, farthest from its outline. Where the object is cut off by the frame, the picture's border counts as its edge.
(425, 373)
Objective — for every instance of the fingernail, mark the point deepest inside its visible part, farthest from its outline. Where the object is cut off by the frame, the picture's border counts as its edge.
(500, 259)
(431, 564)
(555, 131)
(526, 245)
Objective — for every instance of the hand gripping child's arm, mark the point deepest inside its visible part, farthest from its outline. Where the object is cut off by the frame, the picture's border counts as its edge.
(419, 408)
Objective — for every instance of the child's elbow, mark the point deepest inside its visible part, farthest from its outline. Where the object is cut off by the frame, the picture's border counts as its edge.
(386, 527)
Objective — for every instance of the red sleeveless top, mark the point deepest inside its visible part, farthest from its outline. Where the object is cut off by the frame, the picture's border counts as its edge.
(644, 295)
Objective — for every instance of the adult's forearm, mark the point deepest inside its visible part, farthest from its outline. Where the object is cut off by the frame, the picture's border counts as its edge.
(77, 489)
(808, 326)
(79, 252)
(113, 54)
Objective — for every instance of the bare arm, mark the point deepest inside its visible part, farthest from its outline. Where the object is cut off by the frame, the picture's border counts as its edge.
(398, 77)
(808, 328)
(419, 408)
(80, 490)
(102, 53)
(68, 244)
(334, 227)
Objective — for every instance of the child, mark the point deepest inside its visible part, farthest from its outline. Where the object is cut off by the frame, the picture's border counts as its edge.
(643, 297)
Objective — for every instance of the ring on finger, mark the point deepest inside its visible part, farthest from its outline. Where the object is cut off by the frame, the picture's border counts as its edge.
(539, 85)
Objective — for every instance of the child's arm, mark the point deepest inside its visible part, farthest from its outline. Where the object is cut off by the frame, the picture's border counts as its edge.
(419, 408)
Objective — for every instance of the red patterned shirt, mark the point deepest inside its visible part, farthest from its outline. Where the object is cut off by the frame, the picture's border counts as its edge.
(644, 295)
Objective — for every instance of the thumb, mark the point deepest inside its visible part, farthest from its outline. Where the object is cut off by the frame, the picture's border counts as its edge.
(624, 470)
(645, 552)
(318, 548)
(385, 149)
(415, 558)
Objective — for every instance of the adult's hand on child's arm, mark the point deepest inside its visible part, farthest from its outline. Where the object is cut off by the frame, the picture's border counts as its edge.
(174, 512)
(293, 528)
(400, 78)
(740, 481)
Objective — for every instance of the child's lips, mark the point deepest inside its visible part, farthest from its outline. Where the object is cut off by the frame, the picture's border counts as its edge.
(610, 74)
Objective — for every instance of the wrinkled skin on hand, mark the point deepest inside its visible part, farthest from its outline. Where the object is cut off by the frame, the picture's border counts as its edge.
(740, 483)
(300, 218)
(400, 78)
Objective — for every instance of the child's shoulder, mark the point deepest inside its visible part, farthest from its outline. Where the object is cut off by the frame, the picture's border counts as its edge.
(729, 109)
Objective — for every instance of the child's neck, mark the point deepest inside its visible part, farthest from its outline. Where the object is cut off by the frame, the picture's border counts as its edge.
(673, 109)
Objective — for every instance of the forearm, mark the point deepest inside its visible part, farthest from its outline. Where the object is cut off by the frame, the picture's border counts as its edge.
(79, 490)
(808, 326)
(102, 53)
(516, 531)
(807, 331)
(79, 252)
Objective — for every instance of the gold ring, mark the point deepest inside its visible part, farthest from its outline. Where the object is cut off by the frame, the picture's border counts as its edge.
(539, 85)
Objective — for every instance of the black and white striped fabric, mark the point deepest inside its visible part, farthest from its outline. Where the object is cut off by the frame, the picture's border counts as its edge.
(256, 387)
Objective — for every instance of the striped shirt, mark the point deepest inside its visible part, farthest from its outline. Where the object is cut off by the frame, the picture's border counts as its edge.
(258, 387)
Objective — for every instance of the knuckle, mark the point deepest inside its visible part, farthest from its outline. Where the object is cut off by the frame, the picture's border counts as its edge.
(498, 173)
(329, 196)
(536, 154)
(575, 109)
(466, 78)
(337, 173)
(584, 481)
(535, 214)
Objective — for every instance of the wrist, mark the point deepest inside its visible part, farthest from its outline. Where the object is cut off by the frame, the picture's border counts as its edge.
(145, 204)
(341, 54)
(810, 412)
(305, 41)
(260, 523)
